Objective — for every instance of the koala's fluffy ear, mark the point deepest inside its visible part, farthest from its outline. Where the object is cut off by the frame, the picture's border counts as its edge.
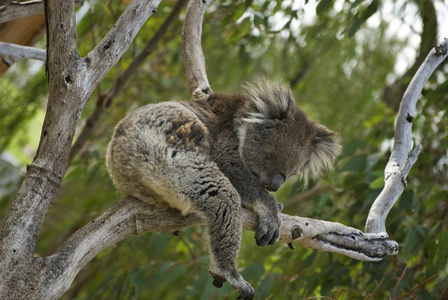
(270, 101)
(324, 149)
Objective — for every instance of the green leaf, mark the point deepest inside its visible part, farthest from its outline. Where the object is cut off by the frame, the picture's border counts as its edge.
(357, 163)
(253, 272)
(324, 6)
(377, 183)
(309, 260)
(362, 17)
(372, 160)
(240, 31)
(172, 274)
(370, 10)
(355, 26)
(265, 286)
(353, 146)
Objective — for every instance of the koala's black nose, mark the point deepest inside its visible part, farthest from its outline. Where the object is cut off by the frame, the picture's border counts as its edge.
(275, 182)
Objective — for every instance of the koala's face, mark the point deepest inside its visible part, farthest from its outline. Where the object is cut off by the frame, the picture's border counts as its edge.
(276, 139)
(275, 150)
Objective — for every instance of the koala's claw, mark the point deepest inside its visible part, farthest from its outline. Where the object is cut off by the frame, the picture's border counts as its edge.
(268, 231)
(241, 297)
(280, 206)
(268, 239)
(246, 293)
(218, 281)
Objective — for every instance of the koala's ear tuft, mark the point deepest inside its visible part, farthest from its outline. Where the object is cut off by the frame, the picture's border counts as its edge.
(325, 147)
(270, 101)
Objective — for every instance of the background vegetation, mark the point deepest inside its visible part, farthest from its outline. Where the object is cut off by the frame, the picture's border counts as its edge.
(347, 63)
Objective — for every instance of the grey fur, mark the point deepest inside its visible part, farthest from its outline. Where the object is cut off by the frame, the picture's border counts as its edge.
(211, 156)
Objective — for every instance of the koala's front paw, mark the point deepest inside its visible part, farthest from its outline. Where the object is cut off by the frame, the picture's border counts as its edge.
(268, 231)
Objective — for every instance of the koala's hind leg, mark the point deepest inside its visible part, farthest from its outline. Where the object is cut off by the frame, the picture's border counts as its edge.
(210, 193)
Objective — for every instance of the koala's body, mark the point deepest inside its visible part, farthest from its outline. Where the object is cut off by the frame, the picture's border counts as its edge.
(215, 155)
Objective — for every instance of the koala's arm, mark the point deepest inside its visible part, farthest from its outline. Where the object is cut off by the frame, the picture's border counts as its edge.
(253, 195)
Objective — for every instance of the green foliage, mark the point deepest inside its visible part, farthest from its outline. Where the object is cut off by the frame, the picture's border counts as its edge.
(363, 12)
(338, 68)
(16, 108)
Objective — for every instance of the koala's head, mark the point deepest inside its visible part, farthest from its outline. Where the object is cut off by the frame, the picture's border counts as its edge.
(277, 141)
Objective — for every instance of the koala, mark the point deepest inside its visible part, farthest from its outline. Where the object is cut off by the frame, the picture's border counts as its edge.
(216, 155)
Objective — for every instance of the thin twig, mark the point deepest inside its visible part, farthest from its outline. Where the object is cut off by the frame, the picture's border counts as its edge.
(411, 292)
(399, 280)
(375, 290)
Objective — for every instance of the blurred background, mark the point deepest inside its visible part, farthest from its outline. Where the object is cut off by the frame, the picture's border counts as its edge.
(348, 64)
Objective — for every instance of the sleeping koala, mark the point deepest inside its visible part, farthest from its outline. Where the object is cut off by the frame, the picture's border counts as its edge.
(215, 155)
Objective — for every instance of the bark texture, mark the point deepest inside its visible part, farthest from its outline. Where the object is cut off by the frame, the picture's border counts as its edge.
(71, 81)
(403, 157)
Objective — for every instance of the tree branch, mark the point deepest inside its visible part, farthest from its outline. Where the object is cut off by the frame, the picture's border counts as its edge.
(12, 53)
(132, 216)
(192, 54)
(107, 53)
(401, 158)
(17, 10)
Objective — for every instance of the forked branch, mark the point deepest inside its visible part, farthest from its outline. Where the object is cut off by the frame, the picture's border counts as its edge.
(72, 80)
(402, 158)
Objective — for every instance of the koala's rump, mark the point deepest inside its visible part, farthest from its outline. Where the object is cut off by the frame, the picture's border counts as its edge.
(153, 148)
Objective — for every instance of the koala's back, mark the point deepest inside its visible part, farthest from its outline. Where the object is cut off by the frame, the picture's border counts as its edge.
(145, 143)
